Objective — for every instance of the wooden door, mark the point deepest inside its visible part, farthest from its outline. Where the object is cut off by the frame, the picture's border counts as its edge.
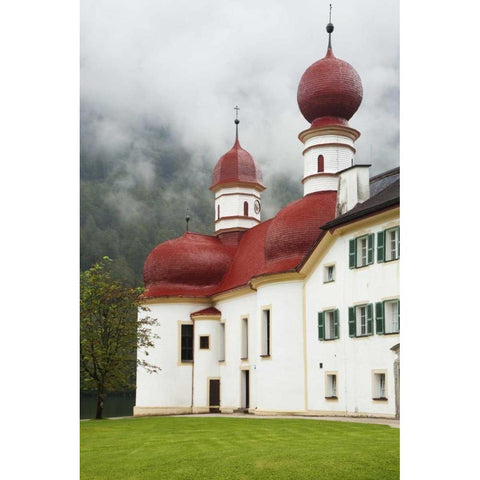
(214, 395)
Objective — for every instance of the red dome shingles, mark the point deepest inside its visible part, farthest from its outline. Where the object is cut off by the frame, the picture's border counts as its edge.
(329, 88)
(295, 228)
(200, 266)
(249, 259)
(236, 166)
(192, 264)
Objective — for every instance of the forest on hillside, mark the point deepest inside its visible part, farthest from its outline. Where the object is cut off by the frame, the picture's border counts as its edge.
(134, 198)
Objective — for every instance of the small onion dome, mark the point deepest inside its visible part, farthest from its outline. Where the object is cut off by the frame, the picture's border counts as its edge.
(329, 88)
(192, 264)
(296, 227)
(236, 166)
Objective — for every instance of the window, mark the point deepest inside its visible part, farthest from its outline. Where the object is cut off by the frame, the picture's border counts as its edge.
(204, 342)
(218, 212)
(388, 245)
(331, 385)
(320, 163)
(221, 343)
(360, 320)
(387, 317)
(328, 325)
(379, 386)
(329, 273)
(245, 209)
(265, 352)
(361, 251)
(187, 343)
(244, 338)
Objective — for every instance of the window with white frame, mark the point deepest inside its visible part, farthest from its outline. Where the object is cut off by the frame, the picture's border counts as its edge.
(328, 325)
(329, 273)
(360, 320)
(331, 385)
(361, 251)
(388, 244)
(266, 333)
(379, 386)
(387, 316)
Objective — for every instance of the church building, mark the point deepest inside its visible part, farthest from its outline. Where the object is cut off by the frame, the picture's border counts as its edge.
(298, 314)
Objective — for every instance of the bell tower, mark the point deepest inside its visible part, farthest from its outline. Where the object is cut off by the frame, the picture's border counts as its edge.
(237, 184)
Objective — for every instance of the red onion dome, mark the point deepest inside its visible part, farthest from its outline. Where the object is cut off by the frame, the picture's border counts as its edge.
(295, 228)
(329, 88)
(237, 165)
(189, 265)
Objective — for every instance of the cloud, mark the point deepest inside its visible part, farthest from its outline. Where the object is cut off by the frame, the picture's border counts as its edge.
(184, 65)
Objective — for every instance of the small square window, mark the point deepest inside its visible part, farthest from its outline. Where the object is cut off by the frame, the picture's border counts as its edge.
(331, 385)
(329, 273)
(204, 342)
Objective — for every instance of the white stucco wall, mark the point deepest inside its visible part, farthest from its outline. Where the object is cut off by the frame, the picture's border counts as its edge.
(353, 358)
(172, 386)
(278, 381)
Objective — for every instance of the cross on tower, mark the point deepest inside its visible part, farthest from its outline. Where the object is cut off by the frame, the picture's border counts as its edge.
(237, 108)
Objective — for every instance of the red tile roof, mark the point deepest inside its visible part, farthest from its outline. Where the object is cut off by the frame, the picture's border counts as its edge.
(211, 311)
(199, 265)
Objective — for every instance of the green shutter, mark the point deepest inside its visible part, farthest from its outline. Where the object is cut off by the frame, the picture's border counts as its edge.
(321, 326)
(335, 323)
(352, 250)
(380, 246)
(352, 324)
(370, 319)
(371, 242)
(379, 318)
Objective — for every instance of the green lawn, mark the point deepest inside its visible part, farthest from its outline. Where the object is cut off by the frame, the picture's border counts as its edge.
(171, 448)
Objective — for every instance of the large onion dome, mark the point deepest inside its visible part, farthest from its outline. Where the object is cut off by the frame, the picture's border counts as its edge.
(330, 91)
(192, 264)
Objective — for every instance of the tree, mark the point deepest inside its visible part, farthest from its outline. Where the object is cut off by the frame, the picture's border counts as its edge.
(110, 332)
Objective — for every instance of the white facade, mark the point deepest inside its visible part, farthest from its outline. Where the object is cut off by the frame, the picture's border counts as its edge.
(236, 208)
(292, 372)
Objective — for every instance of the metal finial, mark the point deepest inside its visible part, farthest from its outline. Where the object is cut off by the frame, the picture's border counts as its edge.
(330, 28)
(237, 121)
(187, 217)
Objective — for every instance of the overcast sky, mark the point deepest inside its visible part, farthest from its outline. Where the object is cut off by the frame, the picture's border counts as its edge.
(186, 64)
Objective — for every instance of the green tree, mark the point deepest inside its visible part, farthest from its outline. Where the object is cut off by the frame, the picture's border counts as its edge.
(111, 333)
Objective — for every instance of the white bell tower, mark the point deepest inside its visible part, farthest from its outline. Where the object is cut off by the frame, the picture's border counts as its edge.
(237, 184)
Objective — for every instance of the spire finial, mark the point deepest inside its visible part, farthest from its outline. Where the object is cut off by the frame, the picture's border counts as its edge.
(330, 28)
(237, 121)
(187, 217)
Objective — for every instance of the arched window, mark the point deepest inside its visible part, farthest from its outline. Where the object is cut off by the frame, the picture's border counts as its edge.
(245, 209)
(218, 212)
(321, 165)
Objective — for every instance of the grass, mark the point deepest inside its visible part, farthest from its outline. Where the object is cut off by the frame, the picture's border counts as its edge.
(174, 448)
